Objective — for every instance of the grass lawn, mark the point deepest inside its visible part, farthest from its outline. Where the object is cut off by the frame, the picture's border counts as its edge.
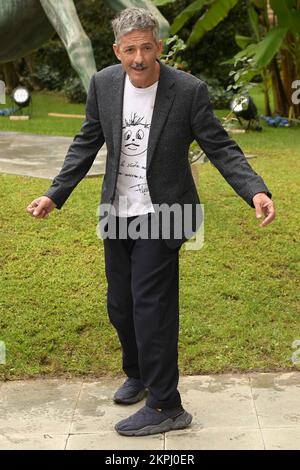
(239, 295)
(44, 103)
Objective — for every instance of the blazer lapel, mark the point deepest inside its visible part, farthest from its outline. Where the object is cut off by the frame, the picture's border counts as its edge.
(164, 98)
(117, 109)
(163, 102)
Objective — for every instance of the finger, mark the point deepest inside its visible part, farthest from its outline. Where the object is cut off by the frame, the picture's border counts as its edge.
(30, 209)
(268, 220)
(31, 206)
(37, 213)
(258, 211)
(270, 215)
(42, 214)
(38, 210)
(45, 214)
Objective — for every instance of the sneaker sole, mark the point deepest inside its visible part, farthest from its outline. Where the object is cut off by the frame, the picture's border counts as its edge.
(130, 401)
(183, 421)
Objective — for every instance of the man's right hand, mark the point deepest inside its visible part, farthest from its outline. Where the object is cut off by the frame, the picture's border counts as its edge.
(41, 207)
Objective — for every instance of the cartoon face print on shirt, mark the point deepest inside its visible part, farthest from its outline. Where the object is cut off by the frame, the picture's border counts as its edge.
(135, 135)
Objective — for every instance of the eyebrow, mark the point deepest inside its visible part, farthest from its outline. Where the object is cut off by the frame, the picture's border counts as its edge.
(144, 44)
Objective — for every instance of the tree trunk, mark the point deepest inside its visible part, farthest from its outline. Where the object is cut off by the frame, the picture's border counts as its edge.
(30, 63)
(265, 75)
(281, 103)
(11, 78)
(289, 72)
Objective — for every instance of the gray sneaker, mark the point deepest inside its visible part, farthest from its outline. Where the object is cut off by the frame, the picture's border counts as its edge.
(153, 421)
(132, 391)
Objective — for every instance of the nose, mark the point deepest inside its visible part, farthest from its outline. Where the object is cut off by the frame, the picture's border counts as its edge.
(138, 59)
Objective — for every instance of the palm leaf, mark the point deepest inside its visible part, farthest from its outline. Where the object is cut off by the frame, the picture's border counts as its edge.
(269, 46)
(287, 16)
(242, 41)
(253, 18)
(216, 13)
(249, 51)
(186, 14)
(160, 3)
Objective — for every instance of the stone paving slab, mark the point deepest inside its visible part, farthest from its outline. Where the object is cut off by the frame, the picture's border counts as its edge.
(218, 438)
(277, 399)
(215, 400)
(282, 438)
(246, 411)
(40, 156)
(95, 411)
(112, 441)
(33, 442)
(38, 406)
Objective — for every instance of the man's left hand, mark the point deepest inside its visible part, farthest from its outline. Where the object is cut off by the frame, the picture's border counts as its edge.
(264, 206)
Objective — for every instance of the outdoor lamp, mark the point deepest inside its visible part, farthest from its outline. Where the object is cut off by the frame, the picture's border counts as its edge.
(244, 107)
(21, 96)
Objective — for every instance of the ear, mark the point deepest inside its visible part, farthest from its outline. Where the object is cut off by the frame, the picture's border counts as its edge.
(116, 51)
(160, 48)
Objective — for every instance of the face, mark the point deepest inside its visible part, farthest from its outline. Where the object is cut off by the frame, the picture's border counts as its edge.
(135, 139)
(138, 51)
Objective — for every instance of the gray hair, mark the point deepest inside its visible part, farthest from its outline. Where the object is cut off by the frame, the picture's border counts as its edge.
(134, 18)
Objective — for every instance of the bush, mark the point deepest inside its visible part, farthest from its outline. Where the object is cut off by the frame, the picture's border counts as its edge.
(74, 91)
(219, 97)
(217, 45)
(47, 77)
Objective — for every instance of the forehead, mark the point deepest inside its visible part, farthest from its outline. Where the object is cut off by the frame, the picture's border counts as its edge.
(137, 37)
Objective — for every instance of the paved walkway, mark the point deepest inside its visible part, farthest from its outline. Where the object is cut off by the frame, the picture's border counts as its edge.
(42, 156)
(39, 155)
(253, 411)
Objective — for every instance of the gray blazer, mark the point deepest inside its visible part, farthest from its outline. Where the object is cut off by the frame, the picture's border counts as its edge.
(182, 113)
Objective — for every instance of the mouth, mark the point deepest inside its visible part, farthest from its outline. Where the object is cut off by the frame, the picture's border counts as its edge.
(132, 146)
(139, 70)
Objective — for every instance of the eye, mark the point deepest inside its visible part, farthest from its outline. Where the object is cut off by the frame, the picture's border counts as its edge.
(140, 134)
(127, 135)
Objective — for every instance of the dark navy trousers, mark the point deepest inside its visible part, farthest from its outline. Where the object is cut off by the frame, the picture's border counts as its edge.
(142, 302)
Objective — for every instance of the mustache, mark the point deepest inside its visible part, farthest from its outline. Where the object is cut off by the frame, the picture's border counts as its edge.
(138, 67)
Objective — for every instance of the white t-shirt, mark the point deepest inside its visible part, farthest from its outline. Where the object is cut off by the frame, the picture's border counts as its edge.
(138, 104)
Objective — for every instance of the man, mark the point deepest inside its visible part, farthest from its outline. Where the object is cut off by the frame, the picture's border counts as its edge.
(148, 114)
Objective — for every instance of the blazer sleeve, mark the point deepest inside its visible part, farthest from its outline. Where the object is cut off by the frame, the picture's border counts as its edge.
(81, 154)
(222, 151)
